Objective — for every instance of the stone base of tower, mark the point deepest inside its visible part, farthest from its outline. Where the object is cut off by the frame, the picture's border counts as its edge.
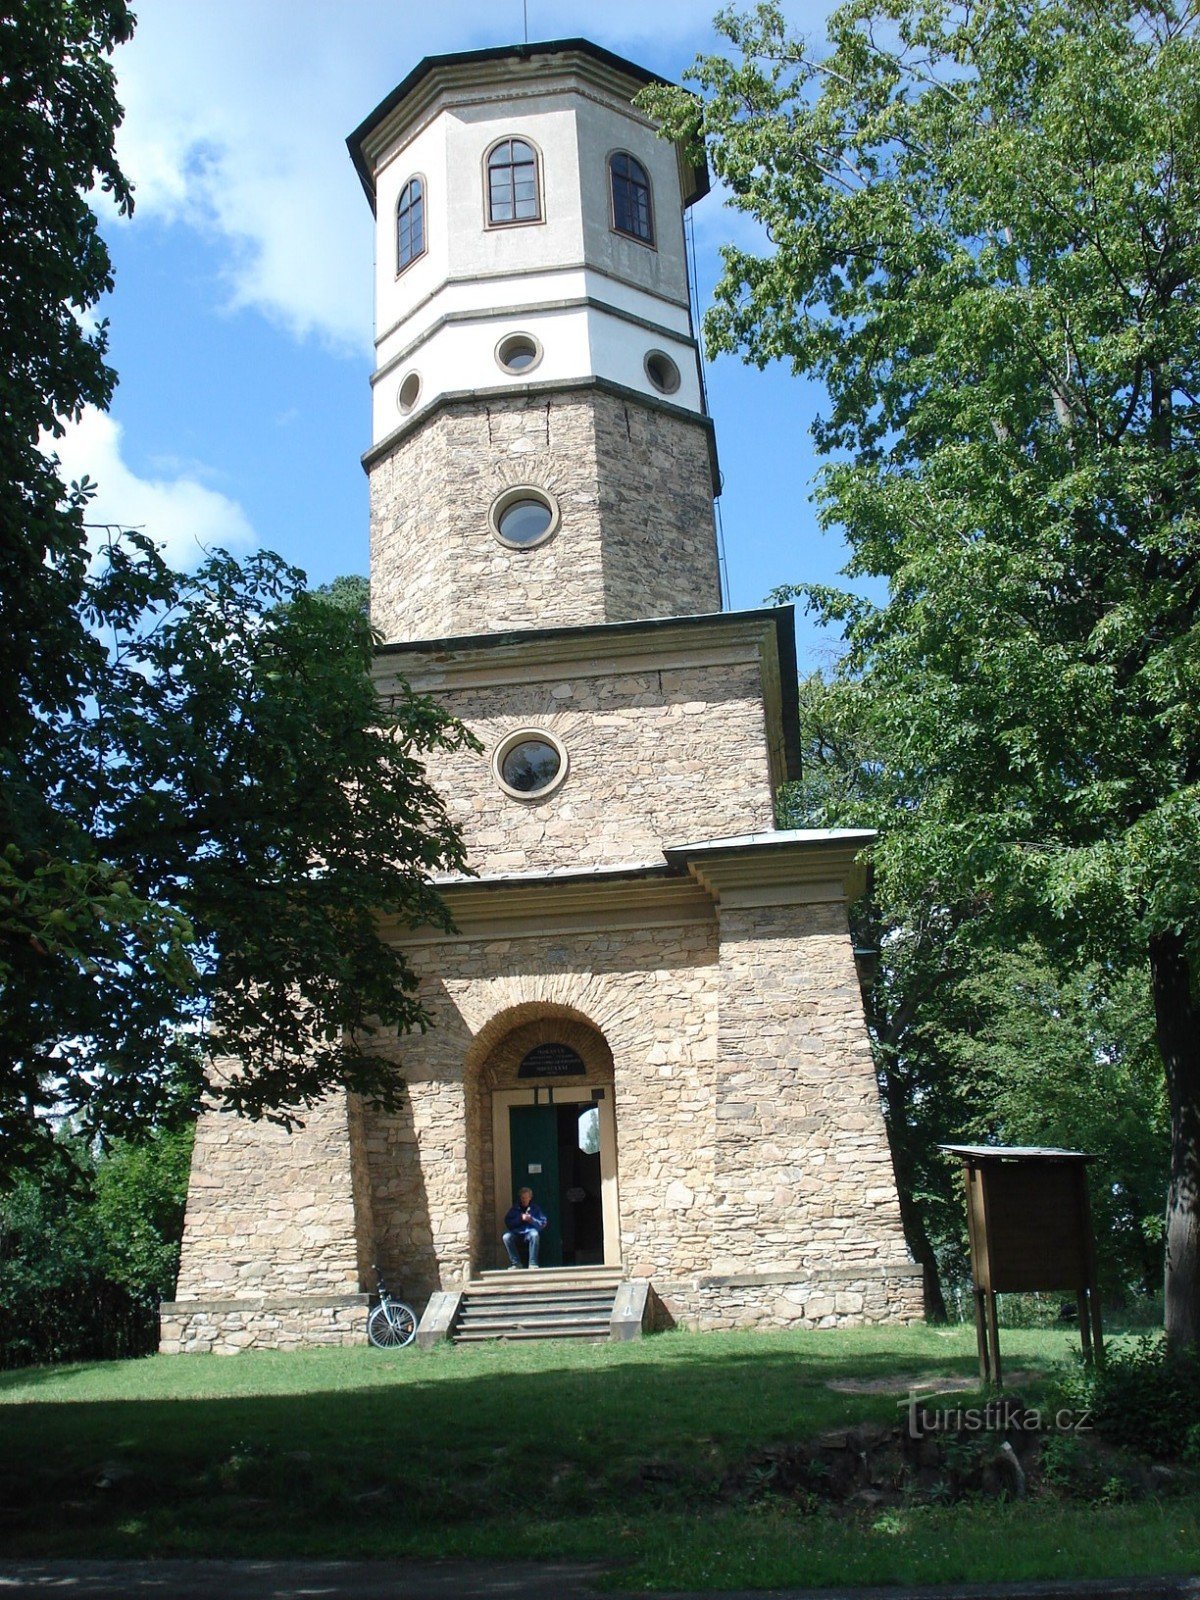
(829, 1297)
(672, 1056)
(226, 1327)
(277, 1235)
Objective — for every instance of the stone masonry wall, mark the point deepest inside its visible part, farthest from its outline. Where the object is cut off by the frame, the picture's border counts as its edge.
(637, 537)
(802, 1159)
(271, 1247)
(226, 1327)
(754, 1178)
(652, 994)
(654, 758)
(754, 1181)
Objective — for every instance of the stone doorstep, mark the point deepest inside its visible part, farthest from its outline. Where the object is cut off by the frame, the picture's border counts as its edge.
(544, 1281)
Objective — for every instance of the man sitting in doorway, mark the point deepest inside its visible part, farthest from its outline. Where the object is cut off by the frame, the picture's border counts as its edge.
(523, 1221)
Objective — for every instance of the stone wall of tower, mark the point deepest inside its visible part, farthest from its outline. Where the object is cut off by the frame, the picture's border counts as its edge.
(801, 1152)
(276, 1236)
(634, 484)
(656, 758)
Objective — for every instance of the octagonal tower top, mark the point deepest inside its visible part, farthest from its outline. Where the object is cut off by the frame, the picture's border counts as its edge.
(540, 448)
(411, 99)
(521, 186)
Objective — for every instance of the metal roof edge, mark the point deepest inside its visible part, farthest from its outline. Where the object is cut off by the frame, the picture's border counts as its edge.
(523, 52)
(781, 838)
(519, 636)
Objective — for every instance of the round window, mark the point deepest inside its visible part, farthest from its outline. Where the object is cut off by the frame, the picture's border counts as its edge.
(662, 372)
(523, 517)
(529, 764)
(518, 352)
(410, 388)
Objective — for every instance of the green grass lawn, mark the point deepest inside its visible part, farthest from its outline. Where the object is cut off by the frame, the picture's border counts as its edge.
(616, 1452)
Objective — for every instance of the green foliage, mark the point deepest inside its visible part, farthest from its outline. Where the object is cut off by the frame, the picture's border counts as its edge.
(204, 812)
(88, 1248)
(58, 113)
(251, 810)
(140, 1195)
(975, 1041)
(351, 591)
(984, 232)
(1072, 1468)
(1144, 1398)
(1069, 1060)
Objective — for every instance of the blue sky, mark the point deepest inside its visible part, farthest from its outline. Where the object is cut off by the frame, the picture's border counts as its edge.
(241, 320)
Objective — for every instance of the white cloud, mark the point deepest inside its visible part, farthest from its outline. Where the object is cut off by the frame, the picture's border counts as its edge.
(181, 514)
(236, 116)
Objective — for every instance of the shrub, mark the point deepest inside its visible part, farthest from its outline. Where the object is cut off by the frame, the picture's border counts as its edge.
(1144, 1400)
(88, 1248)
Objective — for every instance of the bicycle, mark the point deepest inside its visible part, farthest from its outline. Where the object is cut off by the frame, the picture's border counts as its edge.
(392, 1325)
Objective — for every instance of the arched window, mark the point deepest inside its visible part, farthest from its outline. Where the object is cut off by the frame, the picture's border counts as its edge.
(512, 176)
(410, 223)
(631, 209)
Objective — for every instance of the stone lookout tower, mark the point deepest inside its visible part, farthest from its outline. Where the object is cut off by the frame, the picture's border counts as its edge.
(649, 1012)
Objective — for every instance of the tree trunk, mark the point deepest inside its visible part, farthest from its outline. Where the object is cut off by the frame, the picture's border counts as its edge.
(912, 1218)
(1177, 1018)
(1150, 1264)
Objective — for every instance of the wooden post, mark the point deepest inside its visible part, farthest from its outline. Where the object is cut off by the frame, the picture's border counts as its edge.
(994, 1337)
(1083, 1301)
(981, 1335)
(1097, 1329)
(1093, 1340)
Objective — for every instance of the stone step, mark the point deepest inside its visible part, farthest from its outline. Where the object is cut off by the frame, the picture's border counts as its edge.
(532, 1282)
(601, 1306)
(548, 1327)
(555, 1297)
(533, 1314)
(580, 1334)
(510, 1281)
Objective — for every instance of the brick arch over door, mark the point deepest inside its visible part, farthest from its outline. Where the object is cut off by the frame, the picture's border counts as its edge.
(492, 1065)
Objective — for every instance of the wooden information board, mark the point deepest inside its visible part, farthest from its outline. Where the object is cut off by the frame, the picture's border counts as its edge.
(1030, 1225)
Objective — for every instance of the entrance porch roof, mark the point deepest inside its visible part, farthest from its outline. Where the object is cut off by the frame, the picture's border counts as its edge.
(690, 882)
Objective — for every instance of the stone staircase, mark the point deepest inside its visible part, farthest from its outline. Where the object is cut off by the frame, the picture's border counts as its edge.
(551, 1303)
(585, 1303)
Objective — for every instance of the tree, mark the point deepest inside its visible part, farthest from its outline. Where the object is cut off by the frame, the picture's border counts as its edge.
(351, 591)
(974, 1041)
(983, 229)
(89, 1246)
(203, 808)
(258, 810)
(58, 114)
(1068, 1059)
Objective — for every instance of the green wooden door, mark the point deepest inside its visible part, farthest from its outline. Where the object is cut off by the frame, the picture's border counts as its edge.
(533, 1132)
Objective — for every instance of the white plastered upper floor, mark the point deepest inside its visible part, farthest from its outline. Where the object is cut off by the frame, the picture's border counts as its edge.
(596, 301)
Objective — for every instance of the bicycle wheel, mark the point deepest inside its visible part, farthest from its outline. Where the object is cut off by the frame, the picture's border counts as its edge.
(392, 1325)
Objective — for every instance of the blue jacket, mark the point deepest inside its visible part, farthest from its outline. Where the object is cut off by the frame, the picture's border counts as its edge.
(514, 1224)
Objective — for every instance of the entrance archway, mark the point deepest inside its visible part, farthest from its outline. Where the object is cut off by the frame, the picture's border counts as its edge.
(544, 1117)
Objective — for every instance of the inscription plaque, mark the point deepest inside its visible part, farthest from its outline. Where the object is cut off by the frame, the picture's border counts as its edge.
(552, 1061)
